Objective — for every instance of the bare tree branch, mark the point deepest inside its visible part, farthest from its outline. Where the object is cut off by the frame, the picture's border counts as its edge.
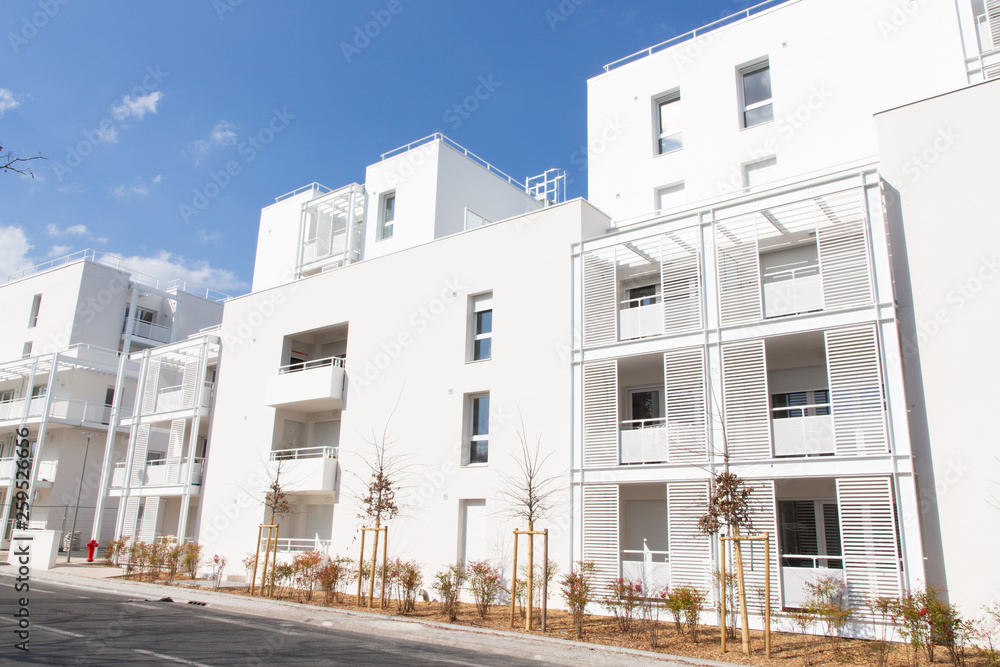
(528, 491)
(10, 163)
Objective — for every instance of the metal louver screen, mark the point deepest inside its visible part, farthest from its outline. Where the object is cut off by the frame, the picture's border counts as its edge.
(690, 549)
(764, 520)
(739, 270)
(745, 401)
(993, 15)
(175, 449)
(599, 299)
(684, 384)
(868, 538)
(152, 386)
(856, 391)
(152, 519)
(131, 517)
(139, 455)
(843, 250)
(189, 384)
(600, 531)
(600, 413)
(680, 281)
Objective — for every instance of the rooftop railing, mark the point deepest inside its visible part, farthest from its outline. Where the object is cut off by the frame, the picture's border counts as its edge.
(305, 188)
(697, 32)
(116, 262)
(437, 136)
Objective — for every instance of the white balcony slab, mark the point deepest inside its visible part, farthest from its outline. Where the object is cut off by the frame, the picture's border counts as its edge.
(308, 390)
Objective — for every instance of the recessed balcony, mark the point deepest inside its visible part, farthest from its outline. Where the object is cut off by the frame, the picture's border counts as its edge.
(310, 386)
(644, 441)
(304, 470)
(172, 398)
(640, 317)
(162, 473)
(46, 469)
(797, 570)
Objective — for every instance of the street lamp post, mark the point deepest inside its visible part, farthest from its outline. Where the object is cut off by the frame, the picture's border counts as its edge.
(83, 474)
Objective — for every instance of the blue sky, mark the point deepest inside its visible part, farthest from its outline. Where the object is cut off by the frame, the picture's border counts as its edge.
(140, 107)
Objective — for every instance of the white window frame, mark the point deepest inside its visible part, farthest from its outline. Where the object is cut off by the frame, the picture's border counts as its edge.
(471, 436)
(675, 134)
(473, 220)
(143, 313)
(742, 72)
(6, 396)
(386, 215)
(36, 303)
(756, 165)
(819, 517)
(26, 350)
(667, 190)
(479, 304)
(661, 403)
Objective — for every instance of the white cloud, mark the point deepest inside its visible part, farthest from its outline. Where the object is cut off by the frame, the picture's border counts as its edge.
(169, 266)
(72, 230)
(204, 236)
(223, 134)
(59, 250)
(15, 250)
(7, 101)
(107, 135)
(158, 178)
(138, 187)
(136, 107)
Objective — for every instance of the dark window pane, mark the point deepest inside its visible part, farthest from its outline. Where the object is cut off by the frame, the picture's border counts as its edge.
(479, 451)
(645, 405)
(822, 396)
(757, 86)
(481, 416)
(764, 114)
(482, 349)
(484, 322)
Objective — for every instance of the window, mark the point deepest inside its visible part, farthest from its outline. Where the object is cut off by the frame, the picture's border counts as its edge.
(809, 528)
(756, 174)
(642, 296)
(755, 87)
(39, 391)
(146, 315)
(479, 428)
(474, 220)
(387, 216)
(645, 408)
(6, 396)
(669, 116)
(26, 350)
(482, 327)
(33, 317)
(670, 196)
(801, 404)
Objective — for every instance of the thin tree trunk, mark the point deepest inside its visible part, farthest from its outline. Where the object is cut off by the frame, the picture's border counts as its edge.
(744, 620)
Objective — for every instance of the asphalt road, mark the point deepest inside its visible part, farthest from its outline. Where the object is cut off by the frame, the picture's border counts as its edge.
(73, 626)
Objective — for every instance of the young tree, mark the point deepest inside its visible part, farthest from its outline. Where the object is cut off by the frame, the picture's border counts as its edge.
(729, 511)
(528, 493)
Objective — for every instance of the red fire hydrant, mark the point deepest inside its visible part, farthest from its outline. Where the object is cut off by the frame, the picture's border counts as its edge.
(91, 547)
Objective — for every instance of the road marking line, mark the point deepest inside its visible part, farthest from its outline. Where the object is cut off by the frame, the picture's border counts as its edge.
(172, 658)
(35, 626)
(254, 626)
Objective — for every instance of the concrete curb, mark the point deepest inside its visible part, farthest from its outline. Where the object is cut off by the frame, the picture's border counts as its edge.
(263, 607)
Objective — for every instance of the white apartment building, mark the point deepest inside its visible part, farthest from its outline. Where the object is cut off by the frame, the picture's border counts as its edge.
(70, 325)
(762, 282)
(405, 309)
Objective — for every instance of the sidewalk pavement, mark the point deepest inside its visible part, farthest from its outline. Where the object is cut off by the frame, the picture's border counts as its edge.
(546, 650)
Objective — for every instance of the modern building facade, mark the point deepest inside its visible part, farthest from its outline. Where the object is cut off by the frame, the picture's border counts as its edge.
(750, 308)
(71, 324)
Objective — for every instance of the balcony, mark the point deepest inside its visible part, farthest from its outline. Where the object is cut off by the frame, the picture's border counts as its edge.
(799, 431)
(652, 568)
(171, 398)
(150, 331)
(162, 472)
(644, 441)
(788, 291)
(797, 570)
(295, 545)
(305, 470)
(46, 469)
(311, 386)
(70, 410)
(640, 317)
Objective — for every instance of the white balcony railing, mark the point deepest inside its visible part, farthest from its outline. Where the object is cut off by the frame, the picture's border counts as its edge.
(638, 318)
(805, 435)
(791, 291)
(292, 545)
(308, 386)
(46, 469)
(644, 441)
(305, 470)
(172, 398)
(795, 578)
(162, 472)
(150, 331)
(651, 568)
(61, 408)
